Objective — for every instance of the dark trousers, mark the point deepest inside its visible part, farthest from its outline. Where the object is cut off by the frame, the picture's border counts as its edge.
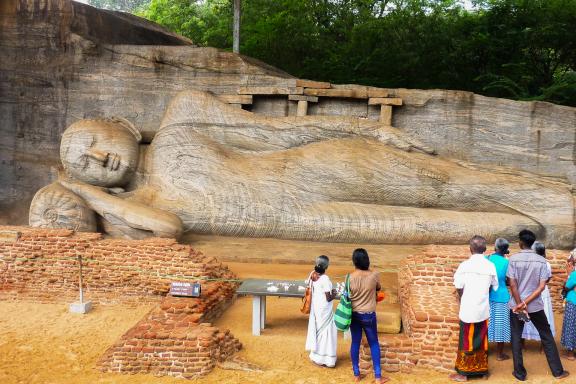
(541, 323)
(365, 322)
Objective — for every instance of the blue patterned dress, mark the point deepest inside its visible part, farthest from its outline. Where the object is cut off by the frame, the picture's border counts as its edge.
(499, 324)
(568, 339)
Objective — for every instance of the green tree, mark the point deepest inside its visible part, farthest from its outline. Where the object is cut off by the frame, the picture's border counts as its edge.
(120, 5)
(520, 49)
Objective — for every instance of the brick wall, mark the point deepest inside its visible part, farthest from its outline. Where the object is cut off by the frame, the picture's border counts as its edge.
(41, 264)
(429, 305)
(174, 339)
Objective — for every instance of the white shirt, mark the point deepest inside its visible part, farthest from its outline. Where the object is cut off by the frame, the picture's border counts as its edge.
(475, 276)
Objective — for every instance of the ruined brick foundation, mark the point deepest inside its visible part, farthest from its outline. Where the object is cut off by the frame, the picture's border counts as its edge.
(429, 307)
(174, 339)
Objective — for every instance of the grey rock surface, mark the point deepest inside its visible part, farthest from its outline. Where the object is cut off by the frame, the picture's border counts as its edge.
(62, 61)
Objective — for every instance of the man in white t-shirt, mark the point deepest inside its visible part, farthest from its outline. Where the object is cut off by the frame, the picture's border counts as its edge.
(473, 280)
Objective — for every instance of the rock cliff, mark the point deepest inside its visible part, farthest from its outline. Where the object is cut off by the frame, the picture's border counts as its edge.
(63, 61)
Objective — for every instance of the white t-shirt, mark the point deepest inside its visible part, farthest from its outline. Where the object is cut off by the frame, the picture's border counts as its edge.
(475, 275)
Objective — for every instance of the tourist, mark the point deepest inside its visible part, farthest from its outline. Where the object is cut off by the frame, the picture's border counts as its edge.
(568, 339)
(473, 280)
(527, 275)
(530, 332)
(364, 285)
(499, 324)
(322, 333)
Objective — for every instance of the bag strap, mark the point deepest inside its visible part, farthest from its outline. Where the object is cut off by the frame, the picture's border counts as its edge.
(347, 286)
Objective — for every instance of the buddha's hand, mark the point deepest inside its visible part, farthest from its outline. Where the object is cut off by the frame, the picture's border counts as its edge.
(401, 140)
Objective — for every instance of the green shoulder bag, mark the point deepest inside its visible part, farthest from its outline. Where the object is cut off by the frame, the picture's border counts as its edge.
(343, 314)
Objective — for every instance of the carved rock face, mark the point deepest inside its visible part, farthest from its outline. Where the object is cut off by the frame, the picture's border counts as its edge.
(100, 152)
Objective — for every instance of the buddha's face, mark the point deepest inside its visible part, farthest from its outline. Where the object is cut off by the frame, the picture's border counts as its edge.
(100, 152)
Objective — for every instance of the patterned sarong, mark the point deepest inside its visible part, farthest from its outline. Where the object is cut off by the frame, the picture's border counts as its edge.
(472, 358)
(568, 339)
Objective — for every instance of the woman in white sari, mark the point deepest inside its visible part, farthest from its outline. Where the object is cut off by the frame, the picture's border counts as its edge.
(322, 333)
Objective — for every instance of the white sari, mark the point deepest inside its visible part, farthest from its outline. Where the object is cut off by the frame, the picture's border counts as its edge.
(322, 333)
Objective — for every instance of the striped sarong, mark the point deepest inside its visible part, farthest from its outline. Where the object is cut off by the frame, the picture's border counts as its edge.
(499, 325)
(472, 357)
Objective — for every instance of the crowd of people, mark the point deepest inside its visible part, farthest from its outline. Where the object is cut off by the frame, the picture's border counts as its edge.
(506, 300)
(502, 300)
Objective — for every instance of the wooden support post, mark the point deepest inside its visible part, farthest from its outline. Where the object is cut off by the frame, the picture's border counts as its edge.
(236, 30)
(386, 114)
(302, 108)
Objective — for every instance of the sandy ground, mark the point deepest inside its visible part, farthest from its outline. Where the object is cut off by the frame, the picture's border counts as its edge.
(43, 343)
(291, 252)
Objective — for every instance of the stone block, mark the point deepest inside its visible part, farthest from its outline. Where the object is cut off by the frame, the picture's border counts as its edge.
(82, 308)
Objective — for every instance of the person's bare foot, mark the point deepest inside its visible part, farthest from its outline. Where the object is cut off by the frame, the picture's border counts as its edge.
(569, 356)
(358, 378)
(564, 375)
(382, 380)
(502, 357)
(457, 377)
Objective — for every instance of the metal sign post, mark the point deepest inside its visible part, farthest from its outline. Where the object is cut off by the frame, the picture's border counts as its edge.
(81, 306)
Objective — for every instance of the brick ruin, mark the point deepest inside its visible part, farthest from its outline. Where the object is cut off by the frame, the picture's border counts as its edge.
(429, 306)
(174, 339)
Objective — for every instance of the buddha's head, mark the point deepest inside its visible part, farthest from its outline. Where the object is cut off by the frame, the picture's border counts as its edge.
(101, 152)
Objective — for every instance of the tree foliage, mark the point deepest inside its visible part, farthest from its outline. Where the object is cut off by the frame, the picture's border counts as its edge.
(520, 49)
(120, 5)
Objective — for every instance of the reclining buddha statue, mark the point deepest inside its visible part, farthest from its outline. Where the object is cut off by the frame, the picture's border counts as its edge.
(215, 169)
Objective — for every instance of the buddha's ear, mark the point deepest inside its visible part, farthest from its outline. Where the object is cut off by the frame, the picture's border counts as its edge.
(129, 126)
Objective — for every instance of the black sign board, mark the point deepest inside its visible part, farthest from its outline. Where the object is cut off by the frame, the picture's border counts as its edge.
(178, 288)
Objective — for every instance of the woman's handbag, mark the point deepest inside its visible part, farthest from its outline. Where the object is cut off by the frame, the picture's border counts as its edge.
(343, 314)
(307, 299)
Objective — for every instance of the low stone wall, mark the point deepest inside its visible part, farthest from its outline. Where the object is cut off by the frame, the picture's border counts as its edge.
(429, 305)
(41, 264)
(174, 339)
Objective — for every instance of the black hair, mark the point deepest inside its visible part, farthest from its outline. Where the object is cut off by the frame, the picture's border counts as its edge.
(527, 237)
(478, 244)
(501, 246)
(539, 248)
(360, 259)
(321, 264)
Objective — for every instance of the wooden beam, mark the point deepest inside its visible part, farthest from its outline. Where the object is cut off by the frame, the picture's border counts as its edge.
(310, 99)
(312, 84)
(377, 92)
(270, 91)
(337, 92)
(384, 101)
(236, 99)
(352, 93)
